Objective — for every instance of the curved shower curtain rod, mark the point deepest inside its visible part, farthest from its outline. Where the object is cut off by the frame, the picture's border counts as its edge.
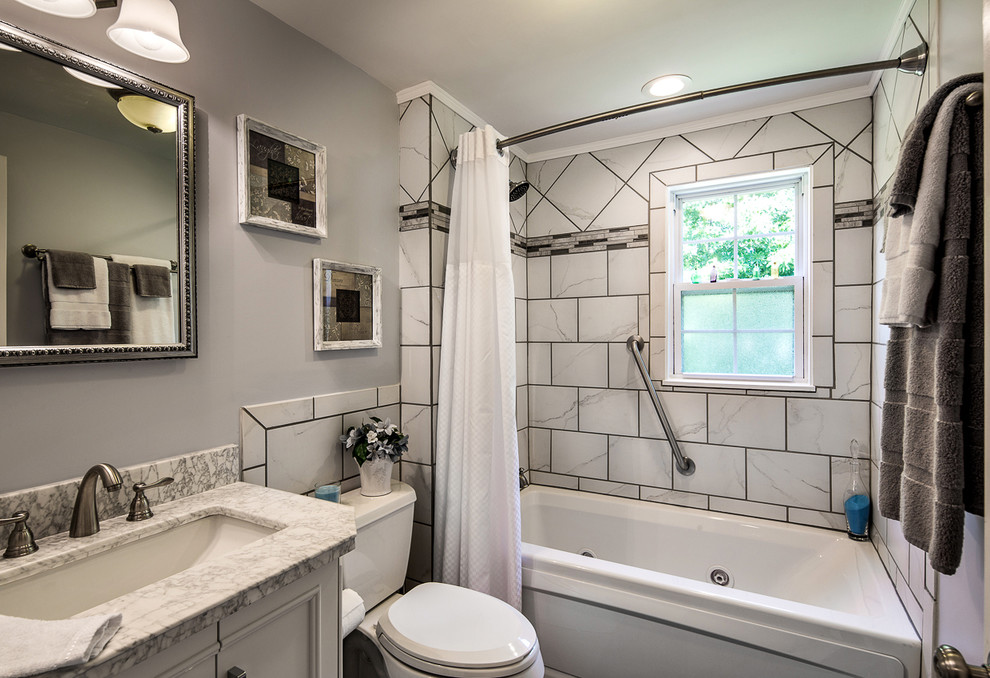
(912, 61)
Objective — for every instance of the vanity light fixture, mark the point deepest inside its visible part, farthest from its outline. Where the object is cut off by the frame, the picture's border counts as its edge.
(141, 111)
(72, 9)
(88, 79)
(149, 28)
(666, 85)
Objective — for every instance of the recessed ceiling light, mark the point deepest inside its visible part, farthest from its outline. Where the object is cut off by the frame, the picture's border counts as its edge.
(666, 85)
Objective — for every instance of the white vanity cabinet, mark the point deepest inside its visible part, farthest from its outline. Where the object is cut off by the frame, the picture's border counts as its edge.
(291, 633)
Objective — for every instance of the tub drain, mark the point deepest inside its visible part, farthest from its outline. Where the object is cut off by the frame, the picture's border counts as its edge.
(588, 553)
(719, 575)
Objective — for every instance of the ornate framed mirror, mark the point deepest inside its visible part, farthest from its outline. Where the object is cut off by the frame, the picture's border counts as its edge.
(94, 161)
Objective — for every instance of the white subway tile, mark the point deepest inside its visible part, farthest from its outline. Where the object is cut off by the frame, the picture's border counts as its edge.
(415, 316)
(718, 470)
(628, 271)
(746, 420)
(579, 454)
(579, 365)
(579, 275)
(414, 258)
(553, 407)
(553, 320)
(854, 256)
(789, 478)
(304, 456)
(640, 461)
(852, 371)
(539, 363)
(346, 401)
(538, 274)
(607, 318)
(827, 426)
(608, 411)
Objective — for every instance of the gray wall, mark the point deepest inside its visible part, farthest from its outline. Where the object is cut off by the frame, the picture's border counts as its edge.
(255, 285)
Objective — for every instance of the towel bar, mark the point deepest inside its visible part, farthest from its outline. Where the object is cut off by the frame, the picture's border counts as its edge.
(34, 252)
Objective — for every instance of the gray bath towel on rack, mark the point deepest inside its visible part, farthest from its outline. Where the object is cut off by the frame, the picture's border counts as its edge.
(72, 270)
(120, 314)
(931, 435)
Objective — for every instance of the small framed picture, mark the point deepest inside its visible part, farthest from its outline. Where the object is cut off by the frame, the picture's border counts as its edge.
(347, 305)
(281, 180)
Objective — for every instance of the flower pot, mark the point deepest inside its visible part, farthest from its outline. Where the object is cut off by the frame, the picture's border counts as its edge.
(376, 477)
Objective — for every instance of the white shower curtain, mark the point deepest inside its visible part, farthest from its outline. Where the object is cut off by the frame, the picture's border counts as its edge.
(477, 534)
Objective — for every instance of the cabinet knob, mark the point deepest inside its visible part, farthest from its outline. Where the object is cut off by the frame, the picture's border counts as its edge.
(236, 672)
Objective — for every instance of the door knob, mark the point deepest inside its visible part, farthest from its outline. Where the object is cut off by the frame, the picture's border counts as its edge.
(949, 663)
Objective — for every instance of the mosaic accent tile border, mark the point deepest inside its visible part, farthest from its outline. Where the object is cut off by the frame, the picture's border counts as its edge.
(416, 215)
(625, 237)
(854, 214)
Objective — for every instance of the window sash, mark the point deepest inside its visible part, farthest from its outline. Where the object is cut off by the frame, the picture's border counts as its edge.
(795, 282)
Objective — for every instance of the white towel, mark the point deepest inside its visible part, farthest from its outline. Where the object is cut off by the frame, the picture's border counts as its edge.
(152, 318)
(351, 611)
(80, 309)
(30, 646)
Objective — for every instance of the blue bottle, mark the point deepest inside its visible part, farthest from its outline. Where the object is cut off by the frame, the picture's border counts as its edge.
(856, 502)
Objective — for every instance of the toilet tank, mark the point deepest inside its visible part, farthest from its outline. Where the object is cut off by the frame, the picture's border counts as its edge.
(376, 568)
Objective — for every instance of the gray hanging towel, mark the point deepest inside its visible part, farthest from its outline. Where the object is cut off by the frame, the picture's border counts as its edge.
(931, 436)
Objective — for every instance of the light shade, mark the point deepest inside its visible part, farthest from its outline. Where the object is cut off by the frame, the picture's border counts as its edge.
(73, 9)
(90, 79)
(150, 114)
(149, 28)
(666, 85)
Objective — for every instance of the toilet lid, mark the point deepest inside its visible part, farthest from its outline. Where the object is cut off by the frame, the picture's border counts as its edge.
(456, 627)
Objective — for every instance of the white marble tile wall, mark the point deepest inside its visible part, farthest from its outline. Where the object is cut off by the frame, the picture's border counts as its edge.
(770, 454)
(421, 277)
(294, 445)
(895, 103)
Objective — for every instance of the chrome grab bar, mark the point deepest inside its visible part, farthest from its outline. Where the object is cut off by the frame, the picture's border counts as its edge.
(685, 466)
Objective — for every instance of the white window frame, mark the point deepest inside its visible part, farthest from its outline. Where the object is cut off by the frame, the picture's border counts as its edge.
(801, 280)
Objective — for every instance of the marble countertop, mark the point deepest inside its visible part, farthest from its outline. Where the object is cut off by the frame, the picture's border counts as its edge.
(311, 533)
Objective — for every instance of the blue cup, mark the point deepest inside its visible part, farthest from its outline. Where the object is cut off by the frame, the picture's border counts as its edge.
(328, 493)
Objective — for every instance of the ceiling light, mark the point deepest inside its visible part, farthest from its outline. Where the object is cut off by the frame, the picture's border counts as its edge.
(150, 114)
(90, 79)
(666, 85)
(73, 9)
(149, 28)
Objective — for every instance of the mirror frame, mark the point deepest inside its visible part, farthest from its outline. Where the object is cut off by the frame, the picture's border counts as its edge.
(185, 104)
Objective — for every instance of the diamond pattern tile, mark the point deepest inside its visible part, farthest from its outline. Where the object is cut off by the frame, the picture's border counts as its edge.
(414, 145)
(783, 131)
(672, 152)
(843, 122)
(583, 190)
(625, 160)
(627, 208)
(722, 143)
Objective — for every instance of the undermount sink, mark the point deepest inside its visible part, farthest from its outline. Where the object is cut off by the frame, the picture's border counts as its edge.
(88, 581)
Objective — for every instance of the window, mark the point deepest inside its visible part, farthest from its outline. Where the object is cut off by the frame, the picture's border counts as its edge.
(738, 282)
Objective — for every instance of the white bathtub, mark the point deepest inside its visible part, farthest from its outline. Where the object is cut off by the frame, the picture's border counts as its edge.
(803, 602)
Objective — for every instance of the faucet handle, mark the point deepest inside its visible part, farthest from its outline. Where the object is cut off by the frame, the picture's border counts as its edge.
(140, 508)
(21, 540)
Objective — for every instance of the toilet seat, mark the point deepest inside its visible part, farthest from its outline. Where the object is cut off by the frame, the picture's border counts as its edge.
(447, 630)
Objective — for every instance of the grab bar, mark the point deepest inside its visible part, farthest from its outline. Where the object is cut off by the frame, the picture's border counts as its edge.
(685, 466)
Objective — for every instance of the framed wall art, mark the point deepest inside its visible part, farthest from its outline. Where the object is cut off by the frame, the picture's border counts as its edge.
(281, 180)
(347, 305)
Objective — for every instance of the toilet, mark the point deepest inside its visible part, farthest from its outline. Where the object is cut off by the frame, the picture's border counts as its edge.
(435, 629)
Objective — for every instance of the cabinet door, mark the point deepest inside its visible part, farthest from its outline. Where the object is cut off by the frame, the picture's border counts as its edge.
(194, 657)
(291, 633)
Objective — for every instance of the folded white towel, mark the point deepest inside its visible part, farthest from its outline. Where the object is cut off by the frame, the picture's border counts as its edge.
(80, 309)
(351, 611)
(152, 318)
(30, 646)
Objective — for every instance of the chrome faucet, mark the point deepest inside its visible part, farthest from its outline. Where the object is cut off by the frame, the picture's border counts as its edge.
(85, 520)
(523, 480)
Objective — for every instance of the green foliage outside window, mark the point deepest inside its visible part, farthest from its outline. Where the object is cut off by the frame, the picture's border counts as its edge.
(743, 235)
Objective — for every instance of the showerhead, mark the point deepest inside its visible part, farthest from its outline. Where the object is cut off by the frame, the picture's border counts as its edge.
(517, 189)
